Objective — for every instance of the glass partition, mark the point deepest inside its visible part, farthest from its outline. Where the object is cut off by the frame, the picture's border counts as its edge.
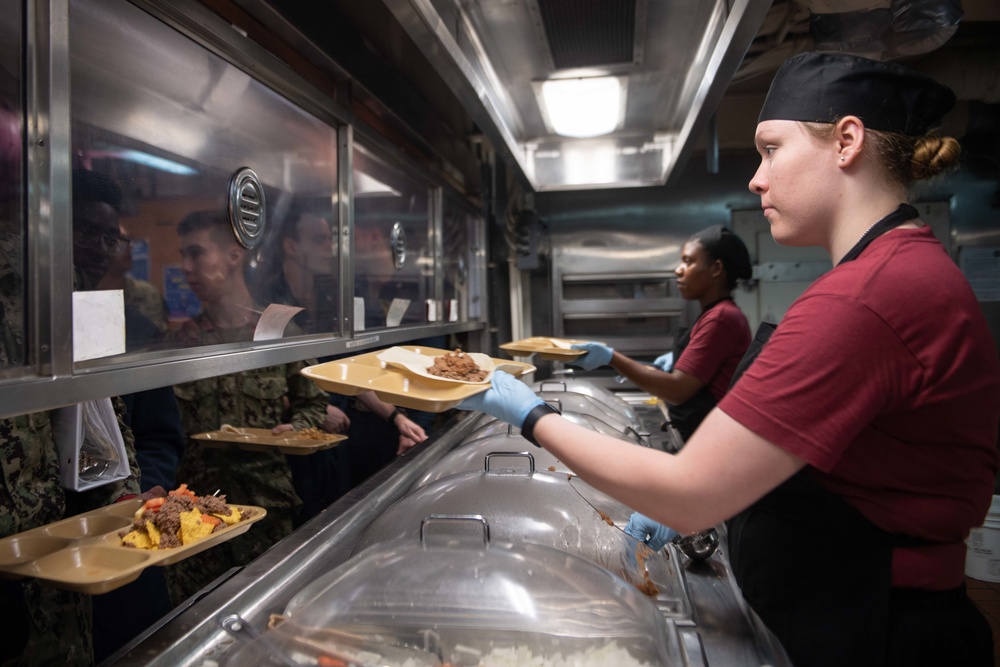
(393, 259)
(12, 218)
(201, 198)
(461, 263)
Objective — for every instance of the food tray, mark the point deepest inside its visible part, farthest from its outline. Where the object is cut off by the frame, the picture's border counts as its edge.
(261, 439)
(552, 349)
(84, 553)
(365, 372)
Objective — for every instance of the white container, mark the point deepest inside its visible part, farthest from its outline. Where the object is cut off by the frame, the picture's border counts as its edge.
(982, 556)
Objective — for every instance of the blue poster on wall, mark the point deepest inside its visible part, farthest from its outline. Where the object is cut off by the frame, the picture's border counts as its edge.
(140, 259)
(182, 304)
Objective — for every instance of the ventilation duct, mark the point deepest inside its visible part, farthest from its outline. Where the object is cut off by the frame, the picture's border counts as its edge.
(901, 28)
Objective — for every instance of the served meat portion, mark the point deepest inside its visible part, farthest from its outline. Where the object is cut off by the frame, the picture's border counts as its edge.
(179, 519)
(457, 365)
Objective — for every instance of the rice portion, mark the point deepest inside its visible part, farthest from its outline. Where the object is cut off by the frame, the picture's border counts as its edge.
(523, 656)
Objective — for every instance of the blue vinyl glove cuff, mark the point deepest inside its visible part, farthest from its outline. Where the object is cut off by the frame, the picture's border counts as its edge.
(597, 355)
(508, 399)
(644, 529)
(665, 362)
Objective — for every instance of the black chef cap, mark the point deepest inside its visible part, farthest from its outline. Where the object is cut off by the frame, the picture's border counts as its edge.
(720, 243)
(823, 87)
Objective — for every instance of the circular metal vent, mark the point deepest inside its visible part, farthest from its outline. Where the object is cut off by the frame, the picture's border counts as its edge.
(397, 240)
(247, 209)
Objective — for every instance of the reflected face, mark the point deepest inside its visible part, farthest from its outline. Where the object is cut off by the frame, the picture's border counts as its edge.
(314, 247)
(211, 270)
(794, 182)
(97, 240)
(697, 273)
(373, 252)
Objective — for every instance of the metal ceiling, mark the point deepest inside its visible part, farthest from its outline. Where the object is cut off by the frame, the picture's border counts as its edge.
(676, 59)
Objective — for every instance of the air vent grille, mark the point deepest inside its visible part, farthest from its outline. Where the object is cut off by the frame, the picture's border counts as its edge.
(587, 33)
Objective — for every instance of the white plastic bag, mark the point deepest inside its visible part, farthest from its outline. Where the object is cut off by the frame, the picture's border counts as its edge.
(90, 445)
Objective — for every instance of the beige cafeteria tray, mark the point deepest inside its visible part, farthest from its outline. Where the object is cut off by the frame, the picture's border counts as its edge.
(84, 553)
(552, 349)
(261, 439)
(365, 372)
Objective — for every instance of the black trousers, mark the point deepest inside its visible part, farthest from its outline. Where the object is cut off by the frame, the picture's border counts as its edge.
(937, 629)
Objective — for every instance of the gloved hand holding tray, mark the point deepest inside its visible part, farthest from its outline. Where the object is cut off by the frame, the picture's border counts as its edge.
(84, 553)
(552, 349)
(399, 376)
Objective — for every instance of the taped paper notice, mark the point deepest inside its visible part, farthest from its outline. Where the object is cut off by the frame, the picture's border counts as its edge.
(359, 313)
(396, 311)
(273, 321)
(98, 324)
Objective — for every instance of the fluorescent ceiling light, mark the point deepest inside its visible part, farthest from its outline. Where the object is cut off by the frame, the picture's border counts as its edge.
(160, 163)
(583, 107)
(147, 159)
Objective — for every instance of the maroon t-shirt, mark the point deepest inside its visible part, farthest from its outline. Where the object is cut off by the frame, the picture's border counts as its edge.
(884, 377)
(719, 339)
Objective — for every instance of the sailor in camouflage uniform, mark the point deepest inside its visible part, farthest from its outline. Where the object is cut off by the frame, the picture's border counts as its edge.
(40, 625)
(272, 397)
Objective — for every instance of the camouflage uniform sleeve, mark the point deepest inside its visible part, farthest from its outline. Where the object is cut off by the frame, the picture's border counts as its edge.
(306, 400)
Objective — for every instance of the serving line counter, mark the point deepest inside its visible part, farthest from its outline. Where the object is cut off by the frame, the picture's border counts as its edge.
(703, 618)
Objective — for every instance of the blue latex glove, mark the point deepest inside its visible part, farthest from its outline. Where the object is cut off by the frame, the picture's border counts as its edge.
(597, 355)
(508, 399)
(665, 362)
(644, 529)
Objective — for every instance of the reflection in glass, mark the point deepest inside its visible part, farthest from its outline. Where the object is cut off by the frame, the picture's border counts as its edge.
(168, 124)
(457, 262)
(394, 266)
(297, 265)
(12, 221)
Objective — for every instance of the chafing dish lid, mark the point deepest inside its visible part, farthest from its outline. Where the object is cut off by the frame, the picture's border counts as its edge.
(497, 586)
(569, 401)
(507, 452)
(589, 389)
(598, 423)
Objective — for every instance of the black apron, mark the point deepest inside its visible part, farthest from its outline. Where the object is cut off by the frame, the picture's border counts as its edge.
(686, 416)
(819, 573)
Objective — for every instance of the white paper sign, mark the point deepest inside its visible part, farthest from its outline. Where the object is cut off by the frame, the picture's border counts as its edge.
(98, 324)
(396, 311)
(359, 313)
(273, 321)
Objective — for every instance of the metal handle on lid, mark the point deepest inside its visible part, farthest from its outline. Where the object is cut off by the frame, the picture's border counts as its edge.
(433, 518)
(531, 459)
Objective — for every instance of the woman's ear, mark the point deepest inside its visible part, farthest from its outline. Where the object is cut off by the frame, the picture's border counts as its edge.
(849, 134)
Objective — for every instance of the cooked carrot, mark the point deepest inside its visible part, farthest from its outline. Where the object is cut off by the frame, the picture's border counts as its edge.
(327, 661)
(154, 504)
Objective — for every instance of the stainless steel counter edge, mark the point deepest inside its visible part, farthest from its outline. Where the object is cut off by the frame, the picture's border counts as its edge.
(191, 635)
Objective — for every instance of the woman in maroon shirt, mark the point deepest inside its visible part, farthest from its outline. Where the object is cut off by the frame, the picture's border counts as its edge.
(705, 356)
(858, 450)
